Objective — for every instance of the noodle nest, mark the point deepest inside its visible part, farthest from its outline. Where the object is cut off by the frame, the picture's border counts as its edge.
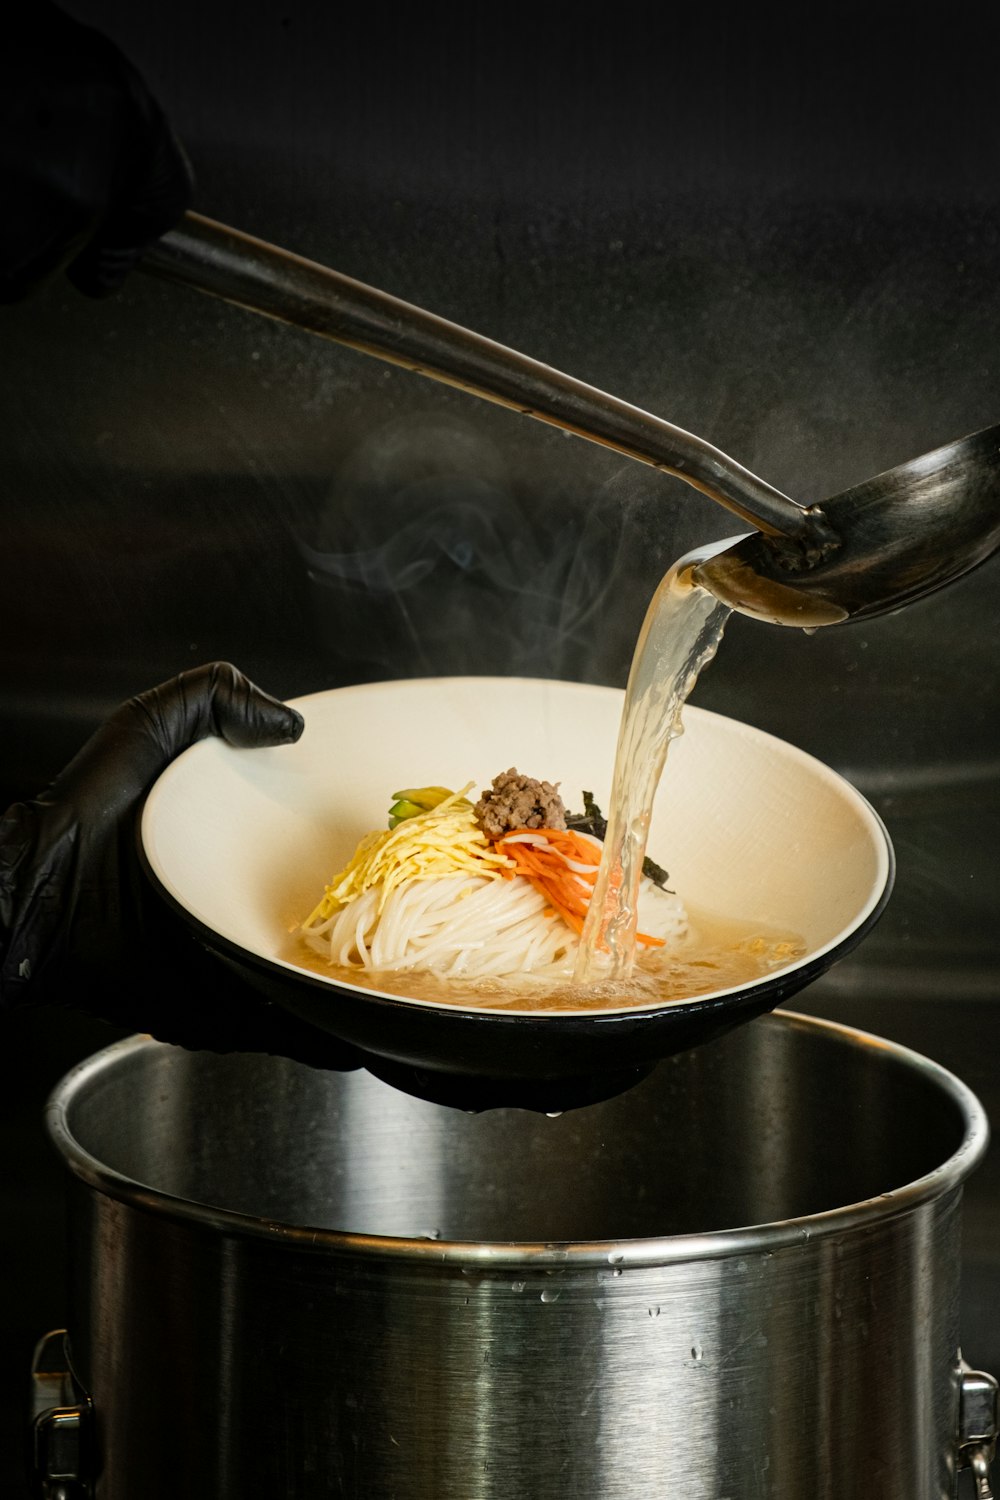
(434, 894)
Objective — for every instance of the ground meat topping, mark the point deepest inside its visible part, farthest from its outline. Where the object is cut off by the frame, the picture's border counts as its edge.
(516, 801)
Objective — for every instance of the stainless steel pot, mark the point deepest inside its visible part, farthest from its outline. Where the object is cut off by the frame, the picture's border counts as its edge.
(738, 1280)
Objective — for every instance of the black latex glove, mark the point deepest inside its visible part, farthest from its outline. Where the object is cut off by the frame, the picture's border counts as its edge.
(80, 925)
(90, 170)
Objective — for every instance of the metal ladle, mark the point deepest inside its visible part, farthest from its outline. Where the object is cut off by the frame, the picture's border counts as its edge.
(866, 551)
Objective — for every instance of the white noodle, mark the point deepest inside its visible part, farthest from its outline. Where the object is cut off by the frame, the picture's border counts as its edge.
(464, 926)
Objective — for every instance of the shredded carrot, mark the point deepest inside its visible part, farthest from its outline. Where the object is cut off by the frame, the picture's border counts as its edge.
(543, 855)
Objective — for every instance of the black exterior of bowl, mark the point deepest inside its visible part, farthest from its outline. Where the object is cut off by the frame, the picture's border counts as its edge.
(477, 1060)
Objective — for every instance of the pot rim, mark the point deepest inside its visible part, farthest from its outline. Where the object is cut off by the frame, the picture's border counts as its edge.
(545, 1256)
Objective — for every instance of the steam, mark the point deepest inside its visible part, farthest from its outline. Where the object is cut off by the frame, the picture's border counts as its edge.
(427, 559)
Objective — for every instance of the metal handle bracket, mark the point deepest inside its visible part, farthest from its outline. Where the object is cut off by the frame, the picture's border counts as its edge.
(61, 1425)
(977, 1426)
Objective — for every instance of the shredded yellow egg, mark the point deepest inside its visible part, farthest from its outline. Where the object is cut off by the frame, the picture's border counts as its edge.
(444, 840)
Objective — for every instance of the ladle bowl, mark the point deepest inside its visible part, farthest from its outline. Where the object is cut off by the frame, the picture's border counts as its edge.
(758, 838)
(867, 551)
(902, 534)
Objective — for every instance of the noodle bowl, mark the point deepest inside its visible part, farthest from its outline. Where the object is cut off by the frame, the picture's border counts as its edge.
(762, 842)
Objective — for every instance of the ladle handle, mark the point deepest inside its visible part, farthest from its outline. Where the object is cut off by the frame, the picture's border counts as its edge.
(238, 268)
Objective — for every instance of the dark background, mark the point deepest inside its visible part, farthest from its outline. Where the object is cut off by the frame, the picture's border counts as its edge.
(786, 240)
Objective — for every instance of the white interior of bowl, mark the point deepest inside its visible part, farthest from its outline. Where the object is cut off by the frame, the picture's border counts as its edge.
(749, 827)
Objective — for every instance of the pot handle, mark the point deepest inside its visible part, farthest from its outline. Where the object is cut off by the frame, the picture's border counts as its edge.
(61, 1424)
(977, 1426)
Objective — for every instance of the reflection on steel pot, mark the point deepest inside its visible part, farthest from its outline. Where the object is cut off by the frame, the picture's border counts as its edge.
(740, 1279)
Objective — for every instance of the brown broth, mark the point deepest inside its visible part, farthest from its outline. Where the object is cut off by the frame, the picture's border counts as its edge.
(716, 954)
